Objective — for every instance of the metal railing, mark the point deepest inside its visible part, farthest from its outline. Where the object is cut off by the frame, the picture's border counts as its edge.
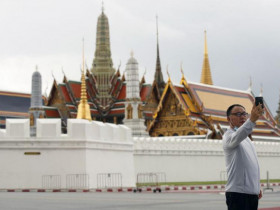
(109, 180)
(77, 181)
(267, 182)
(151, 179)
(51, 181)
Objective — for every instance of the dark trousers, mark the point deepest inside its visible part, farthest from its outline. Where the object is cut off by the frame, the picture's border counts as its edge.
(241, 201)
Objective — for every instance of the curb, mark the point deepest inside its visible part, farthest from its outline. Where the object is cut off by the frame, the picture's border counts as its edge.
(151, 189)
(115, 190)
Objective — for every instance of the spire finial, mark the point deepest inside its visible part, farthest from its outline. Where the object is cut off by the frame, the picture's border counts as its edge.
(157, 27)
(62, 70)
(168, 73)
(261, 92)
(182, 68)
(205, 43)
(182, 71)
(102, 7)
(46, 89)
(36, 68)
(53, 75)
(183, 80)
(131, 53)
(120, 65)
(251, 83)
(83, 67)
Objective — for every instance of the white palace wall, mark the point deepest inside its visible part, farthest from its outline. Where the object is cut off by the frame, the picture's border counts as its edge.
(73, 160)
(196, 159)
(97, 155)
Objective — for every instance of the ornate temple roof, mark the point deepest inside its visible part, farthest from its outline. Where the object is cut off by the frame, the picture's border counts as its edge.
(207, 105)
(202, 103)
(69, 93)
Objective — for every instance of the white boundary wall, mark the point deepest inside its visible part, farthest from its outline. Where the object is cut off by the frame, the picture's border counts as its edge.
(95, 149)
(89, 148)
(195, 159)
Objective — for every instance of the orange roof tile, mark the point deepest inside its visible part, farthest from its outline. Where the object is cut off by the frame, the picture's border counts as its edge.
(217, 100)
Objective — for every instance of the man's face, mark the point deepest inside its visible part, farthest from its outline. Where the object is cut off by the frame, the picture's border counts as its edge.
(237, 116)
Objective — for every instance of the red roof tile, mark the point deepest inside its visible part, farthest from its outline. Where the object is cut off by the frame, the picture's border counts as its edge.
(144, 92)
(65, 94)
(52, 113)
(76, 89)
(122, 93)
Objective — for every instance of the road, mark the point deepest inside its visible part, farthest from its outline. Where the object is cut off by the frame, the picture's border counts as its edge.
(123, 201)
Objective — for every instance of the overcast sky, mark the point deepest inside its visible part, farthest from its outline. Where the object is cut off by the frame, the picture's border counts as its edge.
(243, 40)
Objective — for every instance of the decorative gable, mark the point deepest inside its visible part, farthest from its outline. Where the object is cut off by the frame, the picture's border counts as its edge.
(172, 119)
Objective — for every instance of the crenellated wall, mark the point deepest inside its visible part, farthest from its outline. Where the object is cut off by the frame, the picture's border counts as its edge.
(76, 159)
(195, 159)
(95, 154)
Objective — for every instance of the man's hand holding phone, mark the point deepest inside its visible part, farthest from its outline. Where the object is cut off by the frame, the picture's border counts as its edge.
(257, 109)
(259, 100)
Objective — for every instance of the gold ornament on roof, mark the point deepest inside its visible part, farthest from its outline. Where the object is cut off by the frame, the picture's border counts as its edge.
(169, 80)
(83, 108)
(182, 70)
(183, 80)
(206, 77)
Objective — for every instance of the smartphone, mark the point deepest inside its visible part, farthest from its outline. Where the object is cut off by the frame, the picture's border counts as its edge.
(259, 100)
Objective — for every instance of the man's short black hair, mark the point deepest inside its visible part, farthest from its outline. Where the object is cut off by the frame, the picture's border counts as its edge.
(231, 107)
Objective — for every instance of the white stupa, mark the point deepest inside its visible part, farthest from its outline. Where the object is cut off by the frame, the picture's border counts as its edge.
(36, 109)
(133, 106)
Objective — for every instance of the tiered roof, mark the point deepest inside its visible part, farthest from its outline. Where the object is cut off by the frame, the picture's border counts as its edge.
(69, 96)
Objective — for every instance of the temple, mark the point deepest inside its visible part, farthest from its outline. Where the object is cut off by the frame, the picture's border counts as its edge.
(191, 108)
(105, 87)
(157, 109)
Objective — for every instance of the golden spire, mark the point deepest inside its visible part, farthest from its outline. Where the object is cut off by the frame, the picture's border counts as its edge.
(83, 108)
(206, 77)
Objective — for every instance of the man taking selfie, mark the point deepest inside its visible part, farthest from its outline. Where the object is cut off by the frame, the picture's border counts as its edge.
(243, 186)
